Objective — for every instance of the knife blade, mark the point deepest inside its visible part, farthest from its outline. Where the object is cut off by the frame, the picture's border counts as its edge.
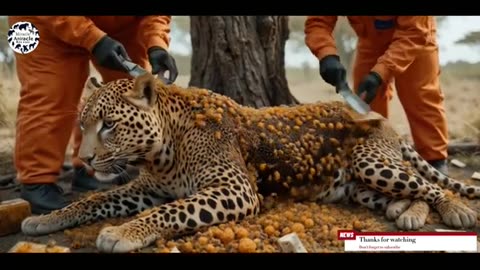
(133, 69)
(354, 101)
(136, 70)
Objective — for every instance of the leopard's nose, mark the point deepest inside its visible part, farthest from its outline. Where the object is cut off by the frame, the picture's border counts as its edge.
(87, 159)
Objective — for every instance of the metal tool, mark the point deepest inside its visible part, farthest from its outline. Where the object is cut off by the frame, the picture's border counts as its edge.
(133, 69)
(352, 99)
(136, 70)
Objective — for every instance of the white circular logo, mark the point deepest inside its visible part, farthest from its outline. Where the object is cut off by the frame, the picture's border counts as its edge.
(23, 37)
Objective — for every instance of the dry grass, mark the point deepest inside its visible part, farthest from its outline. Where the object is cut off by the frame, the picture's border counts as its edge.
(462, 97)
(9, 95)
(476, 125)
(3, 111)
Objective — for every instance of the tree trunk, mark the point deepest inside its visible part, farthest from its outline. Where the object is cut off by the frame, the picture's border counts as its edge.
(241, 57)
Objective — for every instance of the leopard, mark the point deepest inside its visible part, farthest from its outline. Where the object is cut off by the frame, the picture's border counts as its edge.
(205, 159)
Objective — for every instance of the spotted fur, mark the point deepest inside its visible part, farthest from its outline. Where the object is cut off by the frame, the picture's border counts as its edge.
(205, 159)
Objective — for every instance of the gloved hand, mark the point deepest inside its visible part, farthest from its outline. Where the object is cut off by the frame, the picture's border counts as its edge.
(162, 61)
(332, 71)
(107, 53)
(367, 89)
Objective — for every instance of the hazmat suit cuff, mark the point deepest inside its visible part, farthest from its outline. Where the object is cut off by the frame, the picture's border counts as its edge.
(92, 37)
(156, 41)
(382, 70)
(326, 51)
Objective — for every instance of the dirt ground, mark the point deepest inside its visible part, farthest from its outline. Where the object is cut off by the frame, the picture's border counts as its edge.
(316, 225)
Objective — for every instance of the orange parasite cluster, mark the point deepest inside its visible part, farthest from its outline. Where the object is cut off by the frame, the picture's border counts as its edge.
(288, 147)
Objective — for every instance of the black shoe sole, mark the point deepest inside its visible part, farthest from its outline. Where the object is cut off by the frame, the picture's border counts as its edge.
(82, 189)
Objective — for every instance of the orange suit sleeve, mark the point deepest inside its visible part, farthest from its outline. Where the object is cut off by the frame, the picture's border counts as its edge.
(75, 30)
(319, 35)
(155, 31)
(411, 36)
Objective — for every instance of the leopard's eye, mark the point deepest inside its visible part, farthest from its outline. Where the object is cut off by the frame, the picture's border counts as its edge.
(108, 124)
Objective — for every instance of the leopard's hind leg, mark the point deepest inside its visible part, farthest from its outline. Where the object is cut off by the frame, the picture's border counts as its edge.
(408, 215)
(381, 167)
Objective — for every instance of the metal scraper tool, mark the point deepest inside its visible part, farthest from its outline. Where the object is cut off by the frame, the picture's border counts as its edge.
(352, 99)
(136, 70)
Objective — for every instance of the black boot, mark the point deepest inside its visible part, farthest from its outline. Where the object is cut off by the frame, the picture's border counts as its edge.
(83, 182)
(441, 165)
(43, 198)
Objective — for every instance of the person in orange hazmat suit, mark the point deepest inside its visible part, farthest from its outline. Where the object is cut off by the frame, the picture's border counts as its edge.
(391, 49)
(52, 79)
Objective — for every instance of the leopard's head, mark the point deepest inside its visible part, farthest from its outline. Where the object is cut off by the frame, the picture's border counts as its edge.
(120, 125)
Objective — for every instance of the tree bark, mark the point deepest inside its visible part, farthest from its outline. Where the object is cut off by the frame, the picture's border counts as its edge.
(241, 57)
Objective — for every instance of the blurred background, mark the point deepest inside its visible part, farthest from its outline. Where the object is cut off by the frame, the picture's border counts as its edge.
(458, 36)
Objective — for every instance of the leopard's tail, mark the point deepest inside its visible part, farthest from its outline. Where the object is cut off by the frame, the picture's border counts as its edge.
(430, 173)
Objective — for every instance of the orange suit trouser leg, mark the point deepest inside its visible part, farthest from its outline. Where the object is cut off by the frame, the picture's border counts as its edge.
(364, 62)
(52, 79)
(419, 91)
(137, 52)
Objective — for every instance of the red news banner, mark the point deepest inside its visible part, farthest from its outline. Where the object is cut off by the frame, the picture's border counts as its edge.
(451, 241)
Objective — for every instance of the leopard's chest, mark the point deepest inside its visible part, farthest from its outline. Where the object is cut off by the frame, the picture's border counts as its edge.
(174, 185)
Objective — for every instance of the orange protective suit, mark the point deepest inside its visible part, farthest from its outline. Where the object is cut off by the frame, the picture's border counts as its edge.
(403, 48)
(52, 78)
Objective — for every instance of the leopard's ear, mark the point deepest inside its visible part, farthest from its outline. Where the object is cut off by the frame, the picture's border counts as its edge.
(91, 85)
(143, 92)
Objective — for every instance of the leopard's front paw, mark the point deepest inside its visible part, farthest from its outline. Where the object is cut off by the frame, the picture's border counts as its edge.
(414, 217)
(396, 208)
(117, 239)
(43, 224)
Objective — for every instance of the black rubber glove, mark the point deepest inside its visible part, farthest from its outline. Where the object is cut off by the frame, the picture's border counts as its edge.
(332, 71)
(367, 89)
(162, 61)
(107, 53)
